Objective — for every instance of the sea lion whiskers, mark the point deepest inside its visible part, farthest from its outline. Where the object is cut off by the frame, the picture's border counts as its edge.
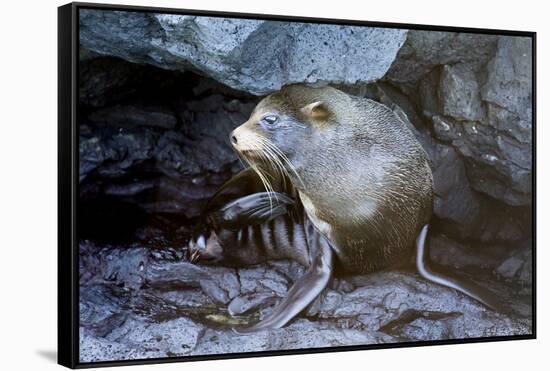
(271, 158)
(274, 160)
(259, 150)
(277, 161)
(253, 147)
(239, 156)
(282, 156)
(266, 183)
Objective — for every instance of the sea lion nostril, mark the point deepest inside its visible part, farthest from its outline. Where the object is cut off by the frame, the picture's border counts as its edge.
(233, 139)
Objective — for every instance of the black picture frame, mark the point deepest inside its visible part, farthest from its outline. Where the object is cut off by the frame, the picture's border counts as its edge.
(68, 159)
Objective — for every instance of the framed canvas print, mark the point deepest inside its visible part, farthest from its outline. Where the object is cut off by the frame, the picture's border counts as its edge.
(236, 185)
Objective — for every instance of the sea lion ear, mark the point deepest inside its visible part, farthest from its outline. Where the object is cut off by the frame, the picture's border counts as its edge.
(316, 110)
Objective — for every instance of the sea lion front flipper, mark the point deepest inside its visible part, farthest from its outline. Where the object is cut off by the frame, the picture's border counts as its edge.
(257, 208)
(434, 274)
(302, 293)
(240, 185)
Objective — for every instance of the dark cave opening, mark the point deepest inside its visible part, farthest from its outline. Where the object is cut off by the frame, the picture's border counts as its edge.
(153, 148)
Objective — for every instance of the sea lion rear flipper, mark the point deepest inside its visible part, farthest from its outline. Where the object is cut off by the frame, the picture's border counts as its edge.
(302, 293)
(435, 274)
(256, 208)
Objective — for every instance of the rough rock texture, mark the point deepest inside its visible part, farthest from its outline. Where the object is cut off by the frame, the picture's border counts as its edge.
(159, 95)
(136, 303)
(476, 91)
(166, 155)
(425, 50)
(250, 55)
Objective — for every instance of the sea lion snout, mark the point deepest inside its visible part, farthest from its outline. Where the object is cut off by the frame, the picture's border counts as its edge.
(244, 139)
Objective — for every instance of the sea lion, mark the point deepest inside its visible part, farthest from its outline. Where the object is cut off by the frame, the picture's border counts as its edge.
(345, 169)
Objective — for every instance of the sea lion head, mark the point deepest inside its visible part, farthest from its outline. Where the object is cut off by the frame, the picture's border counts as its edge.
(286, 129)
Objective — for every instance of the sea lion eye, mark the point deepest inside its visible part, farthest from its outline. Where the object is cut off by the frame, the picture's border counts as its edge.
(269, 120)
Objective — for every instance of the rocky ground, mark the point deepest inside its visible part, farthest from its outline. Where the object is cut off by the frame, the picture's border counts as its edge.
(137, 302)
(159, 95)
